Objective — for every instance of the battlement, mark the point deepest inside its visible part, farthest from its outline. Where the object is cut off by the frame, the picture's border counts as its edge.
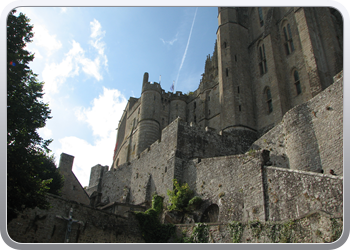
(151, 86)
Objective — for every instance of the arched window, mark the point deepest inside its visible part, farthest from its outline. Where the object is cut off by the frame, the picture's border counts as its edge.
(288, 39)
(297, 82)
(268, 100)
(262, 59)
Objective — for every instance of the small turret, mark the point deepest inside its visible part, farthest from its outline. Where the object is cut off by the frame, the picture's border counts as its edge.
(149, 124)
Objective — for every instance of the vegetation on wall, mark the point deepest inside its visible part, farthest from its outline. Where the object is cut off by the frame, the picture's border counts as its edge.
(236, 230)
(153, 231)
(200, 234)
(181, 197)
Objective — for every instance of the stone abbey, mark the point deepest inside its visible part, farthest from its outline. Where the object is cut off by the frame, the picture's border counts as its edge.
(273, 84)
(260, 140)
(266, 61)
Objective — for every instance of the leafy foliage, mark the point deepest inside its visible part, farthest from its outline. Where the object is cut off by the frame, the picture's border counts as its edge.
(200, 234)
(236, 230)
(180, 196)
(29, 168)
(152, 230)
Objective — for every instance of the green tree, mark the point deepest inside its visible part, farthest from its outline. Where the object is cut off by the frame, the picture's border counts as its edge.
(27, 152)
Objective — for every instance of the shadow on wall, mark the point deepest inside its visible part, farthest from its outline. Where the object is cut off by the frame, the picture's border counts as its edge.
(211, 214)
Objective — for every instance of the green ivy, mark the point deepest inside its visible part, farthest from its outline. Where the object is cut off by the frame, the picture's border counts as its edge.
(200, 234)
(152, 230)
(256, 228)
(287, 232)
(236, 230)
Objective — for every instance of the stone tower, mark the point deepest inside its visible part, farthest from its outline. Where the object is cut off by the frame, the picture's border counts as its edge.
(233, 68)
(149, 116)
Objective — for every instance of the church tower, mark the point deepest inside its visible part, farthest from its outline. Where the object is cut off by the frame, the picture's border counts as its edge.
(236, 99)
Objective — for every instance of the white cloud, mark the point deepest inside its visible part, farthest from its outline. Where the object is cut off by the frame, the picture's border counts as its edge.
(45, 40)
(105, 112)
(96, 29)
(97, 34)
(54, 74)
(45, 132)
(103, 117)
(171, 42)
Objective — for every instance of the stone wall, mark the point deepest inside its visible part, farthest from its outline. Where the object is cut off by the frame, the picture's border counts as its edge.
(43, 226)
(315, 227)
(310, 136)
(234, 183)
(293, 193)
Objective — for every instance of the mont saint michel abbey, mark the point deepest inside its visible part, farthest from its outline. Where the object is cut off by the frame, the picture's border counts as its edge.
(259, 143)
(266, 61)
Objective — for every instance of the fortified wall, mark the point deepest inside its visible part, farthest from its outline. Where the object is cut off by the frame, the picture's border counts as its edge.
(280, 176)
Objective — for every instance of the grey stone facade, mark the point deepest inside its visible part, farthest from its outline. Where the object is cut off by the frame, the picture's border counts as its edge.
(256, 141)
(237, 146)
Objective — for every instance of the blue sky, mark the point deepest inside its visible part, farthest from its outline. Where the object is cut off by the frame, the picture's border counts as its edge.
(92, 61)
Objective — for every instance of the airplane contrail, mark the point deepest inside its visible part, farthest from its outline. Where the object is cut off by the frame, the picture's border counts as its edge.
(188, 42)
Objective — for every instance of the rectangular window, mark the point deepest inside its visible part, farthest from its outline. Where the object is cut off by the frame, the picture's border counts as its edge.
(262, 64)
(289, 45)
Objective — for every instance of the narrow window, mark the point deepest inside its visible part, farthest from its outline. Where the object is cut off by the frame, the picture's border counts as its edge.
(209, 112)
(117, 164)
(261, 17)
(226, 71)
(288, 41)
(194, 119)
(238, 89)
(163, 121)
(269, 100)
(225, 45)
(297, 82)
(262, 59)
(139, 110)
(240, 108)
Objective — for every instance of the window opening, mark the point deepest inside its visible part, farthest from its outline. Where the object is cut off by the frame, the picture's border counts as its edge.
(269, 100)
(288, 44)
(262, 64)
(297, 82)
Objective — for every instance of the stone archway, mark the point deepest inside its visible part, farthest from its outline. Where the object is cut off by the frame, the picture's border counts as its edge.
(211, 214)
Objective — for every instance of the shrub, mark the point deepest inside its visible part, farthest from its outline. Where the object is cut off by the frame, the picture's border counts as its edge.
(179, 197)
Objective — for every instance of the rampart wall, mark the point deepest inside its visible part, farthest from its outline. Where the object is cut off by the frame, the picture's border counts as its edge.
(310, 136)
(37, 226)
(294, 193)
